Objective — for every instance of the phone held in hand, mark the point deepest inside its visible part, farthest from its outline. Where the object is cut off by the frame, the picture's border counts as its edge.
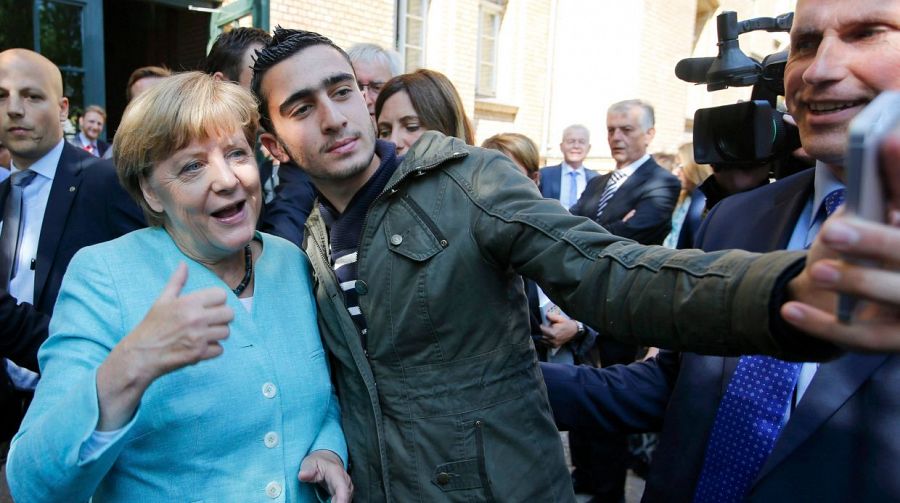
(866, 196)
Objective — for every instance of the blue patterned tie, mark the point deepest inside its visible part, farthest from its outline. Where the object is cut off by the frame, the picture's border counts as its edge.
(612, 185)
(573, 189)
(747, 424)
(833, 201)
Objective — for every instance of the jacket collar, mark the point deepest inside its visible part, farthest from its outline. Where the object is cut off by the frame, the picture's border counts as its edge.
(429, 152)
(62, 194)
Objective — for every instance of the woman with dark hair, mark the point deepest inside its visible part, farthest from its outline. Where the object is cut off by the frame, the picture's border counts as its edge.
(424, 100)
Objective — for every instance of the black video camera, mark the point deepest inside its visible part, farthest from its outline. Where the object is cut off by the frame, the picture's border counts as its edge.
(748, 133)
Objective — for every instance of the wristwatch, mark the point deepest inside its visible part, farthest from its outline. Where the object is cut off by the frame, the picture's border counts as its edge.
(580, 330)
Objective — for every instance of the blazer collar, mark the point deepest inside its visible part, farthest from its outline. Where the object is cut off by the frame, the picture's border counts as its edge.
(62, 194)
(834, 383)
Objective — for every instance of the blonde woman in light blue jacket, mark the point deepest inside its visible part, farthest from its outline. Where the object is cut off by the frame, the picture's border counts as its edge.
(184, 362)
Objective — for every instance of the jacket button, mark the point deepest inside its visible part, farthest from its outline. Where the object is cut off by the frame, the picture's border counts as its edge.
(444, 243)
(273, 489)
(443, 478)
(396, 239)
(361, 287)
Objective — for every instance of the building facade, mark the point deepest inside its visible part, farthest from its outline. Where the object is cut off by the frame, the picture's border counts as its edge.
(528, 66)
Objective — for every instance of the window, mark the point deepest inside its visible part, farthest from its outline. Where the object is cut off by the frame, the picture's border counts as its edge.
(58, 30)
(411, 28)
(490, 15)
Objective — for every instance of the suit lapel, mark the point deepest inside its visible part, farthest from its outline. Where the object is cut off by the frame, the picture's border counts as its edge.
(62, 194)
(831, 387)
(624, 196)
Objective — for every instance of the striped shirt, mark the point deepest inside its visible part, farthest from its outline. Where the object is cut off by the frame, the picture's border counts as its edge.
(345, 230)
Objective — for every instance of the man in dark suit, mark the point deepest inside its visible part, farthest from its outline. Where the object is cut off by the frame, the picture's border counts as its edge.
(567, 180)
(63, 200)
(639, 194)
(834, 435)
(635, 201)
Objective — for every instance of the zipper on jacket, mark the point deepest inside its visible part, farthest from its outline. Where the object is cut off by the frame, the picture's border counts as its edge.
(425, 218)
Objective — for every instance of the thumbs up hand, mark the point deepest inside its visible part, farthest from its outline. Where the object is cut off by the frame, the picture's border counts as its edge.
(179, 330)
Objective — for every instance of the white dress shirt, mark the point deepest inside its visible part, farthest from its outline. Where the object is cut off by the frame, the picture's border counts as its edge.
(565, 184)
(805, 231)
(34, 205)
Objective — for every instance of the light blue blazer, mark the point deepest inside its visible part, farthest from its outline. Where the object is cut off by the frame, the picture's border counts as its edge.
(233, 428)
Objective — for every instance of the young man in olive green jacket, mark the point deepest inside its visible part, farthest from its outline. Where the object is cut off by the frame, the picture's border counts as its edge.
(417, 267)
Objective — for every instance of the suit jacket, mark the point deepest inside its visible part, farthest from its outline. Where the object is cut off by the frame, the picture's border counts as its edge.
(102, 146)
(692, 220)
(651, 191)
(286, 214)
(87, 205)
(198, 434)
(840, 443)
(551, 180)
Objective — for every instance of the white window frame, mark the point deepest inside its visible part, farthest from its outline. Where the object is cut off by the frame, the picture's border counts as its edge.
(492, 8)
(403, 42)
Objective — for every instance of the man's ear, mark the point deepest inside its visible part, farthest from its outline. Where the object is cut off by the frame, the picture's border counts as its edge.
(219, 76)
(63, 109)
(150, 196)
(272, 144)
(651, 133)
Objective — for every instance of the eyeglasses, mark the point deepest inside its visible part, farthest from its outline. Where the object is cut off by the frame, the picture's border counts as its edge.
(374, 86)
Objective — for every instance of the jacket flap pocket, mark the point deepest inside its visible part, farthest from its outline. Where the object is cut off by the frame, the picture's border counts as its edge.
(411, 232)
(458, 475)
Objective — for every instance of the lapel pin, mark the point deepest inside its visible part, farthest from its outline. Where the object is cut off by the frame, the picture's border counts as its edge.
(72, 189)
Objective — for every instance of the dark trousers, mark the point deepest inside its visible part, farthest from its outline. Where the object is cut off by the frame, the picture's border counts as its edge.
(601, 459)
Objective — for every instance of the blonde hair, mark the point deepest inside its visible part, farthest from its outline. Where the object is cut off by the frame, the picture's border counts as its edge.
(694, 174)
(519, 148)
(168, 117)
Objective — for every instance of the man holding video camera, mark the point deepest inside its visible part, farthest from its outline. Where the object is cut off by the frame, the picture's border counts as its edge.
(810, 432)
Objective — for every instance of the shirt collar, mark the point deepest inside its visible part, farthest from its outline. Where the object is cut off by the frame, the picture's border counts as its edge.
(46, 166)
(825, 183)
(568, 169)
(85, 141)
(629, 169)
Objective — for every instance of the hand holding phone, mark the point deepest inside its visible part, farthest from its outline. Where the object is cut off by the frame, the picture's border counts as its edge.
(866, 196)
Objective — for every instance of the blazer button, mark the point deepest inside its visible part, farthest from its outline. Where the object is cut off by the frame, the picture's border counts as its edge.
(273, 489)
(361, 287)
(443, 478)
(396, 239)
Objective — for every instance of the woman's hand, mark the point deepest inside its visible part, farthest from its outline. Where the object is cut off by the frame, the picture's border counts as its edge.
(325, 468)
(178, 331)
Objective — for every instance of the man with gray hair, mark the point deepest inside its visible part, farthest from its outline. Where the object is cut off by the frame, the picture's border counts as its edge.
(635, 201)
(373, 66)
(637, 198)
(566, 181)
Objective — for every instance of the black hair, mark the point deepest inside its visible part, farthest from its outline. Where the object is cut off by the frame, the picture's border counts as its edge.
(284, 44)
(227, 52)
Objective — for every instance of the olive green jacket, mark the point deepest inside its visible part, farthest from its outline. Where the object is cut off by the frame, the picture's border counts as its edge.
(446, 402)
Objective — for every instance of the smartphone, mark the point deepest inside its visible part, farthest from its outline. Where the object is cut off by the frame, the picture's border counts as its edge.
(865, 196)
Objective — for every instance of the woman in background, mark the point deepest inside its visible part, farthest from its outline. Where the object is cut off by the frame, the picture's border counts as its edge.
(689, 210)
(424, 100)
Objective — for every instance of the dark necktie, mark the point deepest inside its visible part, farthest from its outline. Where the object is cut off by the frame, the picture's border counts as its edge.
(612, 185)
(12, 225)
